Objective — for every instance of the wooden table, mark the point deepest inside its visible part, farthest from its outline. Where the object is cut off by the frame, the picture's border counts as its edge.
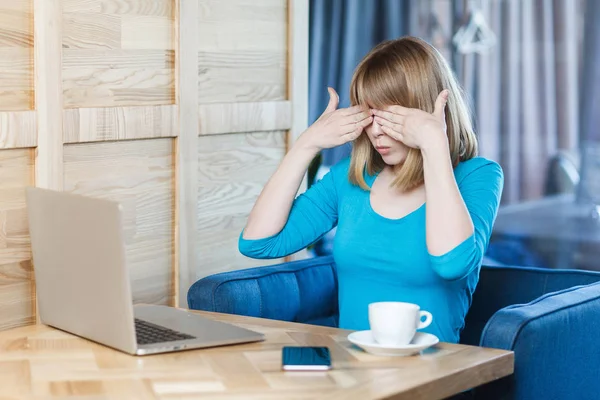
(41, 362)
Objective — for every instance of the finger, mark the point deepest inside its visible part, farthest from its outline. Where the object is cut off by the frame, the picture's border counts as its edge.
(440, 104)
(352, 119)
(366, 122)
(334, 101)
(353, 135)
(394, 125)
(355, 110)
(360, 125)
(392, 133)
(390, 116)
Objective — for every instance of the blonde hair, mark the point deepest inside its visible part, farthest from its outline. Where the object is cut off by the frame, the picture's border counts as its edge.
(411, 73)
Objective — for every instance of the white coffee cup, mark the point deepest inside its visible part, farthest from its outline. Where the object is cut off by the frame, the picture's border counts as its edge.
(395, 323)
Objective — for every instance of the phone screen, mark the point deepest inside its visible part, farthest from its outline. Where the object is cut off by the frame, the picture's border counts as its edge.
(303, 358)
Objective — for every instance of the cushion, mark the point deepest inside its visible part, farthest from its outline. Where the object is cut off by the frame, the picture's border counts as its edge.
(499, 287)
(301, 291)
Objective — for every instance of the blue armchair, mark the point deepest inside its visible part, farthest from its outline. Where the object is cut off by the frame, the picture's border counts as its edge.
(549, 318)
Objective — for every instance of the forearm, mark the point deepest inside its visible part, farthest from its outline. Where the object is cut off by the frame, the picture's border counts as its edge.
(271, 210)
(448, 222)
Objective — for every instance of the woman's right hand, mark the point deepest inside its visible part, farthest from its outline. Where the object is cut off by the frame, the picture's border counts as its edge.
(335, 126)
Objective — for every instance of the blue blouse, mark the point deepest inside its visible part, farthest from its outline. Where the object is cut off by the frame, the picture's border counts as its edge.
(382, 259)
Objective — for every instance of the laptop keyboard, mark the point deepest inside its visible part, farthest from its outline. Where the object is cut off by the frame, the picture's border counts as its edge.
(148, 333)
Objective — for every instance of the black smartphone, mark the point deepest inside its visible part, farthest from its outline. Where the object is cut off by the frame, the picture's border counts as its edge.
(304, 358)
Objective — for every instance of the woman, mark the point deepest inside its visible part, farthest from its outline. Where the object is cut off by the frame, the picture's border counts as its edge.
(413, 205)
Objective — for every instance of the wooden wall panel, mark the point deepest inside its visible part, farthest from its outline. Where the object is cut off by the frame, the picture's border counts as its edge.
(187, 150)
(180, 109)
(140, 175)
(16, 294)
(118, 53)
(48, 98)
(17, 129)
(232, 171)
(16, 55)
(119, 123)
(242, 50)
(298, 56)
(245, 117)
(253, 81)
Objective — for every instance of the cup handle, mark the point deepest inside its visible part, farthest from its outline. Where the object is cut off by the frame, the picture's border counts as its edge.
(428, 319)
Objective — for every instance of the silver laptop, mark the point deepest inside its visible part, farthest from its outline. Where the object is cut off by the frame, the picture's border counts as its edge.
(83, 284)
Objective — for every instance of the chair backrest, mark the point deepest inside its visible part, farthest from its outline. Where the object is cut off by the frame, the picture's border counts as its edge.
(500, 287)
(301, 291)
(306, 291)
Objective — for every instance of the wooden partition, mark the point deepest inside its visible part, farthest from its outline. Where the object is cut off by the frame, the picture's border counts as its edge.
(179, 109)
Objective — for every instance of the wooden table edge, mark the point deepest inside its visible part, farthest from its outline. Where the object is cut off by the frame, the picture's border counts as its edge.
(453, 384)
(502, 366)
(387, 386)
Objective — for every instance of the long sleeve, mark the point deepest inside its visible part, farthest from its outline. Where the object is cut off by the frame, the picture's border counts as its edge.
(480, 183)
(313, 214)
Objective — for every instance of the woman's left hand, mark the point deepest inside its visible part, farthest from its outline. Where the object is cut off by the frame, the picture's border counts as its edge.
(413, 127)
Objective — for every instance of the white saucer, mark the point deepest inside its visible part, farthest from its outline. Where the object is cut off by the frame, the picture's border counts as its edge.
(421, 341)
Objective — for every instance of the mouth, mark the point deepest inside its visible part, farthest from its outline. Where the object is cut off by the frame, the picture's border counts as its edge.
(383, 150)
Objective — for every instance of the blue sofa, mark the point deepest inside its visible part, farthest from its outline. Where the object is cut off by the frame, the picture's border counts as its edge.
(549, 318)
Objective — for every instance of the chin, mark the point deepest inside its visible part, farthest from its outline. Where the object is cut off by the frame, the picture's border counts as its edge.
(394, 159)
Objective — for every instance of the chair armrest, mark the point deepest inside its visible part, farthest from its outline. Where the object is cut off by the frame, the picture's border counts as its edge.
(299, 291)
(502, 286)
(555, 341)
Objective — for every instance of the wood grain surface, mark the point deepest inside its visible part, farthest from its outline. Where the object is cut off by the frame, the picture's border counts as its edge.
(232, 171)
(242, 50)
(49, 105)
(16, 55)
(177, 108)
(16, 296)
(186, 217)
(18, 129)
(140, 175)
(119, 123)
(245, 117)
(118, 53)
(40, 362)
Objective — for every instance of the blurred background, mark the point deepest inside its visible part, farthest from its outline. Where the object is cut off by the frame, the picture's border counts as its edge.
(528, 67)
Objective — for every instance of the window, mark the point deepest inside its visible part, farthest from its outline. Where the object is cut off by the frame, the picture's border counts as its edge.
(535, 93)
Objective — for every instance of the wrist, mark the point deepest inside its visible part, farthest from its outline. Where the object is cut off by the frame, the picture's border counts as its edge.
(436, 146)
(302, 153)
(304, 145)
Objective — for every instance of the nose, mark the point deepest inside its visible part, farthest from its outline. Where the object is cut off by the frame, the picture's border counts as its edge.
(376, 130)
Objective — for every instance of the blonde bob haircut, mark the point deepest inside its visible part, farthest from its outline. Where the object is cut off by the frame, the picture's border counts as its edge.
(411, 73)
